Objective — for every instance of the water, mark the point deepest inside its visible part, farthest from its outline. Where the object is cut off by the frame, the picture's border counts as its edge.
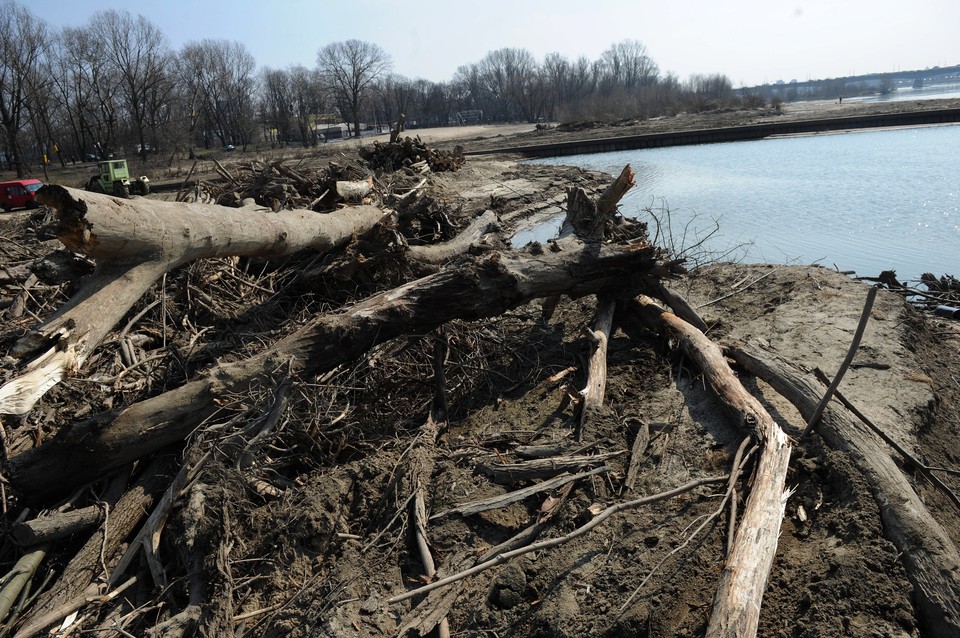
(941, 91)
(863, 201)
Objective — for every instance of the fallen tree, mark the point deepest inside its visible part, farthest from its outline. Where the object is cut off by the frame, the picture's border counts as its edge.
(135, 242)
(930, 555)
(484, 287)
(312, 502)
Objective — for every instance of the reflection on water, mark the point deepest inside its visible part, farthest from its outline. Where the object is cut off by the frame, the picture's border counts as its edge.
(866, 201)
(940, 91)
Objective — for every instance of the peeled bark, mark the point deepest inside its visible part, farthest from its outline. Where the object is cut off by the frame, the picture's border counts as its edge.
(484, 287)
(597, 369)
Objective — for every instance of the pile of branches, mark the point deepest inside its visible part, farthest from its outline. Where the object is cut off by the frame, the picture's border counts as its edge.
(936, 291)
(278, 186)
(411, 156)
(240, 316)
(197, 375)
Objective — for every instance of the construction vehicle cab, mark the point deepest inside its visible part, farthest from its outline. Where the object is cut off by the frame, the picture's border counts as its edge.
(19, 193)
(113, 178)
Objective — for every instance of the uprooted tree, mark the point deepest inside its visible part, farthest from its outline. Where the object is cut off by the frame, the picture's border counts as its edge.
(393, 280)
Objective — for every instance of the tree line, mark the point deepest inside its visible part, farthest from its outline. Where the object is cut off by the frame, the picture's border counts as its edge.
(115, 85)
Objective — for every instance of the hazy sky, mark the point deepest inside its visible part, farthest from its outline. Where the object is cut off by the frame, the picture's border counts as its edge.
(751, 41)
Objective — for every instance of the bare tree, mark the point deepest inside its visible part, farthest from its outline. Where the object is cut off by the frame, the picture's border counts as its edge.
(276, 106)
(566, 82)
(468, 90)
(309, 101)
(395, 96)
(71, 71)
(22, 47)
(351, 68)
(139, 53)
(88, 85)
(708, 91)
(626, 65)
(218, 75)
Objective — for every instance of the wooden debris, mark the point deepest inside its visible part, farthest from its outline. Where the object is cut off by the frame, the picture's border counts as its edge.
(508, 473)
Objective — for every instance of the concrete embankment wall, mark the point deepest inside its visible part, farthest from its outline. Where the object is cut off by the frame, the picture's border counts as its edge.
(731, 134)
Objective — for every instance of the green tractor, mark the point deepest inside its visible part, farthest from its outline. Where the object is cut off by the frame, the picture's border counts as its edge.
(113, 178)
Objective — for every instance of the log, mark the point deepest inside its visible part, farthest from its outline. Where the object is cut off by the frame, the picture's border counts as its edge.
(135, 241)
(596, 386)
(88, 564)
(736, 605)
(929, 556)
(464, 242)
(483, 287)
(56, 526)
(354, 191)
(510, 473)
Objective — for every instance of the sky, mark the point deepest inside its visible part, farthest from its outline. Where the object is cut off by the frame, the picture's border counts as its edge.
(750, 41)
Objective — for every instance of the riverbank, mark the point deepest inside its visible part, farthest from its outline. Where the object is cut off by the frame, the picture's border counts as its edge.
(687, 128)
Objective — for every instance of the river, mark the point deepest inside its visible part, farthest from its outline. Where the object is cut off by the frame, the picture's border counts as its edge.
(864, 201)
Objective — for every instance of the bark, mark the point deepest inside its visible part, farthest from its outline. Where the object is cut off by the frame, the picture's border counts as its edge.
(484, 287)
(465, 242)
(135, 242)
(87, 565)
(56, 526)
(736, 606)
(929, 555)
(597, 368)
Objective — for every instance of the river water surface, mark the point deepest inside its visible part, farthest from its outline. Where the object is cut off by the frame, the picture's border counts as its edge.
(864, 201)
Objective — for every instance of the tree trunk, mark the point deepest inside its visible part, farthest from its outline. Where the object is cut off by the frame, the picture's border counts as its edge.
(929, 555)
(135, 242)
(484, 287)
(736, 606)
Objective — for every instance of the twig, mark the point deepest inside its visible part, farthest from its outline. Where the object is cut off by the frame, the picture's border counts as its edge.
(738, 465)
(494, 502)
(739, 290)
(136, 318)
(854, 345)
(553, 542)
(924, 469)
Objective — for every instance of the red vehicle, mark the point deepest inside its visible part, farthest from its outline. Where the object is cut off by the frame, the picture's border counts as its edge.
(21, 193)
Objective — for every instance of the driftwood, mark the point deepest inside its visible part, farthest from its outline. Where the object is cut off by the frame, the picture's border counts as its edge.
(929, 555)
(495, 502)
(502, 557)
(484, 287)
(57, 526)
(540, 468)
(736, 606)
(640, 442)
(78, 579)
(137, 241)
(467, 278)
(597, 369)
(465, 242)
